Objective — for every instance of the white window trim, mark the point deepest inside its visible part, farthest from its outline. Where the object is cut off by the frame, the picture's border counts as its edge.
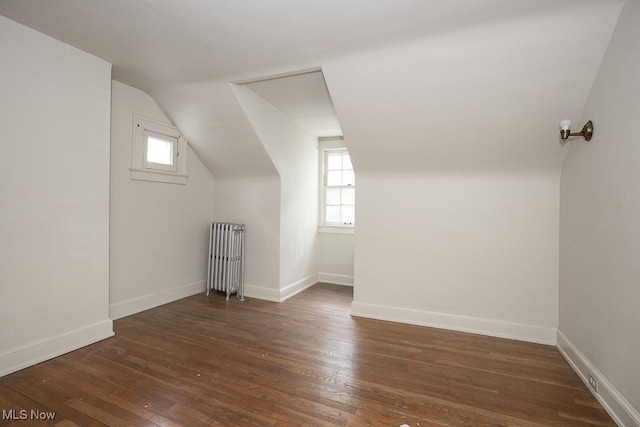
(324, 145)
(143, 125)
(337, 229)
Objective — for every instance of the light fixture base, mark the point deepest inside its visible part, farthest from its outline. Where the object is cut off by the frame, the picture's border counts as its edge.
(587, 130)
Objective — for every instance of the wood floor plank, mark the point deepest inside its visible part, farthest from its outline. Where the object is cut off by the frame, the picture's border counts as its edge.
(206, 361)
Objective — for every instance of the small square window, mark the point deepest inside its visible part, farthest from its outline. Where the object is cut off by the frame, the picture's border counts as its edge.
(158, 152)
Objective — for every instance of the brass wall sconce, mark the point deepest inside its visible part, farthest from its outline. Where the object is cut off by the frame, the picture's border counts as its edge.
(565, 130)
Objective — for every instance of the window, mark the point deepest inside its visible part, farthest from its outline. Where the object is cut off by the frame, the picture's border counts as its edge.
(158, 152)
(338, 188)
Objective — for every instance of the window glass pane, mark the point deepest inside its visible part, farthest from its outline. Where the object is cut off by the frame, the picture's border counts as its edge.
(348, 214)
(334, 178)
(348, 177)
(332, 214)
(348, 196)
(159, 151)
(346, 162)
(332, 196)
(334, 161)
(339, 189)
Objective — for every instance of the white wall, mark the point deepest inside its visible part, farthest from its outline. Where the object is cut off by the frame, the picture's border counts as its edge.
(600, 229)
(295, 156)
(159, 232)
(454, 138)
(477, 99)
(247, 185)
(255, 202)
(476, 253)
(54, 215)
(335, 258)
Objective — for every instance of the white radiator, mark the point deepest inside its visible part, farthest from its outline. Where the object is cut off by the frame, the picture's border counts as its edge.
(226, 259)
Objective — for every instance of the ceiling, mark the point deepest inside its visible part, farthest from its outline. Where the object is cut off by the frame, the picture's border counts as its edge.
(303, 97)
(452, 83)
(154, 43)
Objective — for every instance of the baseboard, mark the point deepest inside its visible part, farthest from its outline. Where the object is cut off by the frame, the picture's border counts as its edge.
(297, 287)
(495, 328)
(335, 279)
(260, 292)
(275, 295)
(612, 401)
(136, 305)
(49, 348)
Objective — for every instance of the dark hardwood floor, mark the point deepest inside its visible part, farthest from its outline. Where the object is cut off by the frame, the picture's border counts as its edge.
(305, 362)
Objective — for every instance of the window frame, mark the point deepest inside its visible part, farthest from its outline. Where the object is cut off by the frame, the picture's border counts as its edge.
(144, 170)
(328, 146)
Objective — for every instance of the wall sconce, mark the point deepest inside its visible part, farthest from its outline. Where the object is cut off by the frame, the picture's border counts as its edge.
(565, 130)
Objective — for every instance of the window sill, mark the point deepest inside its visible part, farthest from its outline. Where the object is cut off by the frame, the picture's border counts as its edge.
(336, 229)
(158, 176)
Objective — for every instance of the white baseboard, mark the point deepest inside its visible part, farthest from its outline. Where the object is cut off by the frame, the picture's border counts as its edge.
(335, 279)
(297, 287)
(275, 295)
(136, 305)
(260, 292)
(613, 402)
(495, 328)
(49, 348)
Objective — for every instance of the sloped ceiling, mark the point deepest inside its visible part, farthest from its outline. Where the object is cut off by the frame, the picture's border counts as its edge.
(418, 85)
(304, 97)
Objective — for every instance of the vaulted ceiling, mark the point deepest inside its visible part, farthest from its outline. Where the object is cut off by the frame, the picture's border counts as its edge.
(418, 85)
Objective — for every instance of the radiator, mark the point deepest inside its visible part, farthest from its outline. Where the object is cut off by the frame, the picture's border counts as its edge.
(226, 259)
